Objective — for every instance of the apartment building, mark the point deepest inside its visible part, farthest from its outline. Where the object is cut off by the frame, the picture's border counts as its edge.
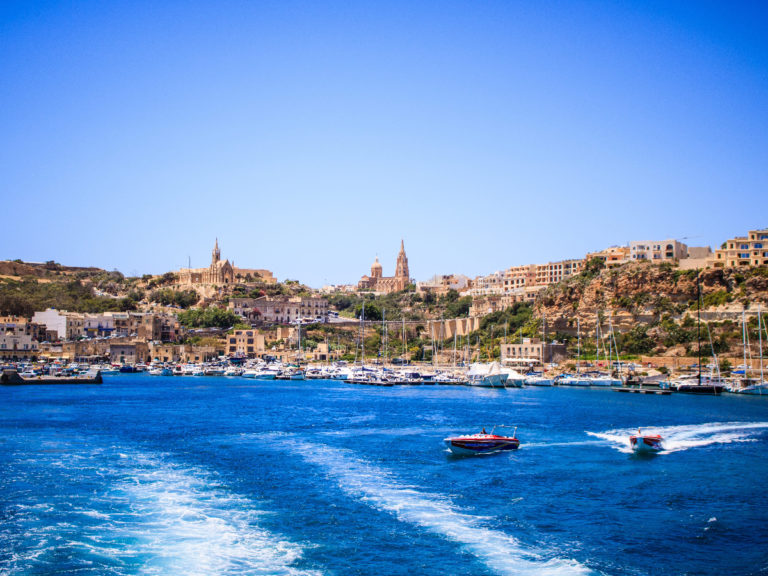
(245, 343)
(657, 250)
(17, 346)
(612, 256)
(744, 252)
(285, 310)
(64, 325)
(519, 277)
(554, 272)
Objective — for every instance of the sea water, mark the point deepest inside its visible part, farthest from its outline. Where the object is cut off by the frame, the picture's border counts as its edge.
(206, 475)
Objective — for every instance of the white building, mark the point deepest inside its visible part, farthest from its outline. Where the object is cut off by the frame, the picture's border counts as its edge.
(17, 345)
(54, 321)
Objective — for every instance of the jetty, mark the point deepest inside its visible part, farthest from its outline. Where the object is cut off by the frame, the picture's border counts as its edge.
(12, 378)
(639, 390)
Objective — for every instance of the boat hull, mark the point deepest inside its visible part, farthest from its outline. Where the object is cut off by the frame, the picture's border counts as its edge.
(646, 444)
(466, 446)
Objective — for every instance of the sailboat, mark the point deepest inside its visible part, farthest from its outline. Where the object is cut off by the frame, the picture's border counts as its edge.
(577, 379)
(696, 383)
(748, 385)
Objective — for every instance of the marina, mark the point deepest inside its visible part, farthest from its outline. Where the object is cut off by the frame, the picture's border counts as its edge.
(214, 465)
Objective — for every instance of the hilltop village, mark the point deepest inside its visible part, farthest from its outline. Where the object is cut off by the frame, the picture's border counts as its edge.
(644, 297)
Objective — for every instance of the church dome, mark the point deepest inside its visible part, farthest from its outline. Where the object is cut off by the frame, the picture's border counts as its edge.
(376, 268)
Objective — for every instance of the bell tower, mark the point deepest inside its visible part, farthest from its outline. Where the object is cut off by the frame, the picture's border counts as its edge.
(216, 256)
(401, 271)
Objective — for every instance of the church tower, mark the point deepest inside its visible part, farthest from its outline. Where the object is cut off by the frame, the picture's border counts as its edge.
(216, 256)
(401, 271)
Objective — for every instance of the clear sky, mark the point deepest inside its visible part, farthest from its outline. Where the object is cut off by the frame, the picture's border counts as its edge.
(311, 136)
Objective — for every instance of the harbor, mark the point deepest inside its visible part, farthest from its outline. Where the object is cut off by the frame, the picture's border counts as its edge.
(187, 454)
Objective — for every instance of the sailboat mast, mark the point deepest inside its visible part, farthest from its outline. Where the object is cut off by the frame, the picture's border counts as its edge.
(744, 339)
(760, 336)
(384, 331)
(698, 323)
(578, 346)
(454, 347)
(597, 338)
(362, 333)
(405, 340)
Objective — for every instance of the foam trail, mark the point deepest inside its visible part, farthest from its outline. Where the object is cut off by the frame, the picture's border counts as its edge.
(199, 530)
(375, 486)
(678, 438)
(155, 518)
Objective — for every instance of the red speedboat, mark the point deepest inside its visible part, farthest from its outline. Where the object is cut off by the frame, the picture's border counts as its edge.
(482, 443)
(646, 443)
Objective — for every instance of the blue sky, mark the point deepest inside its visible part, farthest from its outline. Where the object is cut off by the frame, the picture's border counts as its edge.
(311, 136)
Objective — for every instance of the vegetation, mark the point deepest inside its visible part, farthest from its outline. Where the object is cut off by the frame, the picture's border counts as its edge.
(168, 297)
(25, 297)
(208, 318)
(636, 341)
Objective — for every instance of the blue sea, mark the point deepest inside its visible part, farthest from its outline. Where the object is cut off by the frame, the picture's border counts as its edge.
(207, 476)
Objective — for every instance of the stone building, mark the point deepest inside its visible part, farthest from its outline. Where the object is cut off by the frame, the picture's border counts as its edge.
(245, 343)
(280, 310)
(533, 349)
(218, 273)
(387, 284)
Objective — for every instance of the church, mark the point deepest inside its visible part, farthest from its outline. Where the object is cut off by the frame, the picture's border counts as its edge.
(386, 284)
(219, 272)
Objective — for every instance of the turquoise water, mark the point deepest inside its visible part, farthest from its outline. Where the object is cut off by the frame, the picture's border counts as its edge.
(162, 475)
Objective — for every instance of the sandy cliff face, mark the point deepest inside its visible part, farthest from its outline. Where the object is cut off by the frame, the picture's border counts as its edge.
(645, 293)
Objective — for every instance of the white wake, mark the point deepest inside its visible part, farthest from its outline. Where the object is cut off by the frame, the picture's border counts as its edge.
(678, 438)
(380, 490)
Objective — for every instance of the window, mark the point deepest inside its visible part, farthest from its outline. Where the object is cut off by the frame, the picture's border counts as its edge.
(744, 255)
(744, 246)
(758, 245)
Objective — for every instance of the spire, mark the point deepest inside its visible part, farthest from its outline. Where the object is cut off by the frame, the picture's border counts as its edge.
(401, 271)
(216, 256)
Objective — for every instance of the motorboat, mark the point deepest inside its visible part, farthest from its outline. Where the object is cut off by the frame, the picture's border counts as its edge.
(486, 375)
(646, 443)
(537, 379)
(482, 443)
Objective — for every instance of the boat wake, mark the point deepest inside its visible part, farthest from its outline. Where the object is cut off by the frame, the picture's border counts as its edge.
(378, 488)
(679, 438)
(127, 513)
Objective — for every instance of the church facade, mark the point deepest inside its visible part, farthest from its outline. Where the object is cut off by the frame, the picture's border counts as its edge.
(220, 272)
(387, 284)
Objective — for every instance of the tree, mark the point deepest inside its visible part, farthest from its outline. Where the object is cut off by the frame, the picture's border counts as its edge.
(208, 318)
(372, 311)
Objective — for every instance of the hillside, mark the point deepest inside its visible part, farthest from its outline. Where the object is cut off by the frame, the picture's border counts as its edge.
(655, 306)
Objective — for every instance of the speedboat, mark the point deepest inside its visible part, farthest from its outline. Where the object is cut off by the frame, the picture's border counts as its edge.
(646, 443)
(482, 443)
